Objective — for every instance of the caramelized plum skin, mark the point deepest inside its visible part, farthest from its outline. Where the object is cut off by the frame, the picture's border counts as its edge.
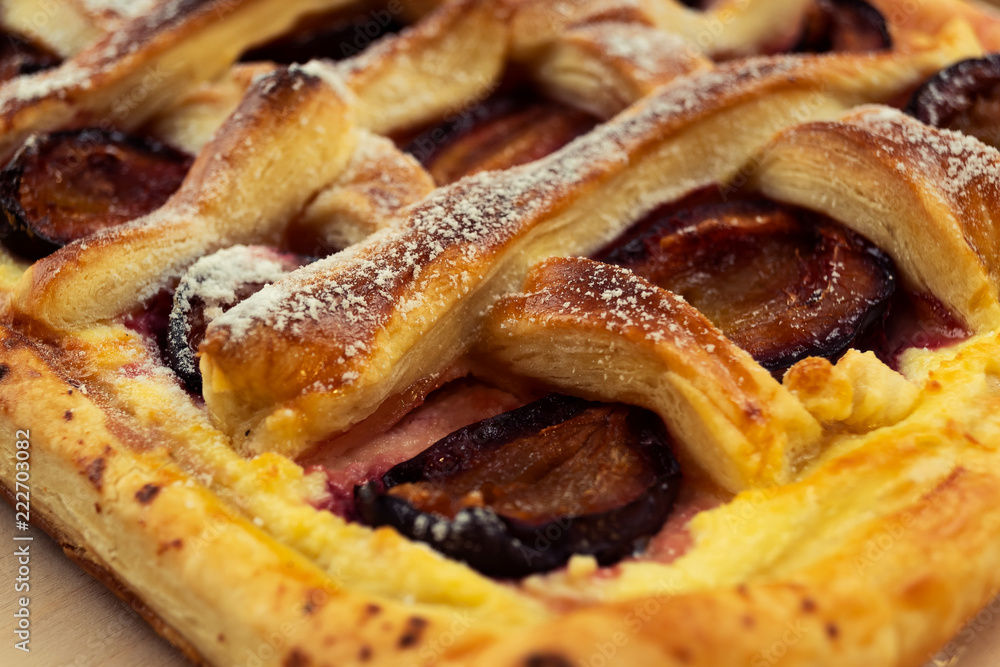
(336, 36)
(18, 57)
(509, 129)
(521, 492)
(66, 186)
(782, 283)
(534, 485)
(964, 97)
(843, 26)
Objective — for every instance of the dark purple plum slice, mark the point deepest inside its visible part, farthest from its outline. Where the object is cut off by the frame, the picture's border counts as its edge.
(18, 56)
(213, 285)
(511, 128)
(335, 36)
(66, 186)
(522, 492)
(964, 97)
(782, 283)
(843, 26)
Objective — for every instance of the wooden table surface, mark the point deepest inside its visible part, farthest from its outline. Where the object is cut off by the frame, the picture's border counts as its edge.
(76, 622)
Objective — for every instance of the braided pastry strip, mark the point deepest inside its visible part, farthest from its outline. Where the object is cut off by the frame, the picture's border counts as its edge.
(292, 132)
(604, 333)
(452, 60)
(927, 197)
(183, 42)
(313, 136)
(729, 28)
(354, 329)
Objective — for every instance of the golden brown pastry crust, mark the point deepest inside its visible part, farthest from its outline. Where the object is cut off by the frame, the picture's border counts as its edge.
(848, 543)
(413, 291)
(214, 207)
(178, 44)
(601, 332)
(925, 196)
(910, 553)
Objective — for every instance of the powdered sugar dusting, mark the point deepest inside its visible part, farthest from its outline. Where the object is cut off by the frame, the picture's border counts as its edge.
(615, 299)
(216, 281)
(123, 8)
(142, 20)
(44, 83)
(446, 246)
(967, 163)
(650, 52)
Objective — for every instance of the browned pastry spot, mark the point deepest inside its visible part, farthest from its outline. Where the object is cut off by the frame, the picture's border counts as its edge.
(147, 493)
(297, 659)
(95, 472)
(547, 660)
(411, 635)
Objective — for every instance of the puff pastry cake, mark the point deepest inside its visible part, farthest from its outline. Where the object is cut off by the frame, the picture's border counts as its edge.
(534, 332)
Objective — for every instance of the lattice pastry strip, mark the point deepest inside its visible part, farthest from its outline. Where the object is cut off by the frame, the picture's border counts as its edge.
(596, 330)
(419, 75)
(925, 196)
(66, 28)
(218, 204)
(427, 295)
(179, 42)
(366, 82)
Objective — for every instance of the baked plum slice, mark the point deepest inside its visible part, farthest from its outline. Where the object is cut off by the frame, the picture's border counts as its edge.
(66, 186)
(511, 128)
(213, 285)
(782, 283)
(843, 26)
(964, 97)
(18, 56)
(337, 35)
(522, 492)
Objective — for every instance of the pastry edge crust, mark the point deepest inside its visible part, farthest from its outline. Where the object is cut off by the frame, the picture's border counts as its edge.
(87, 561)
(953, 517)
